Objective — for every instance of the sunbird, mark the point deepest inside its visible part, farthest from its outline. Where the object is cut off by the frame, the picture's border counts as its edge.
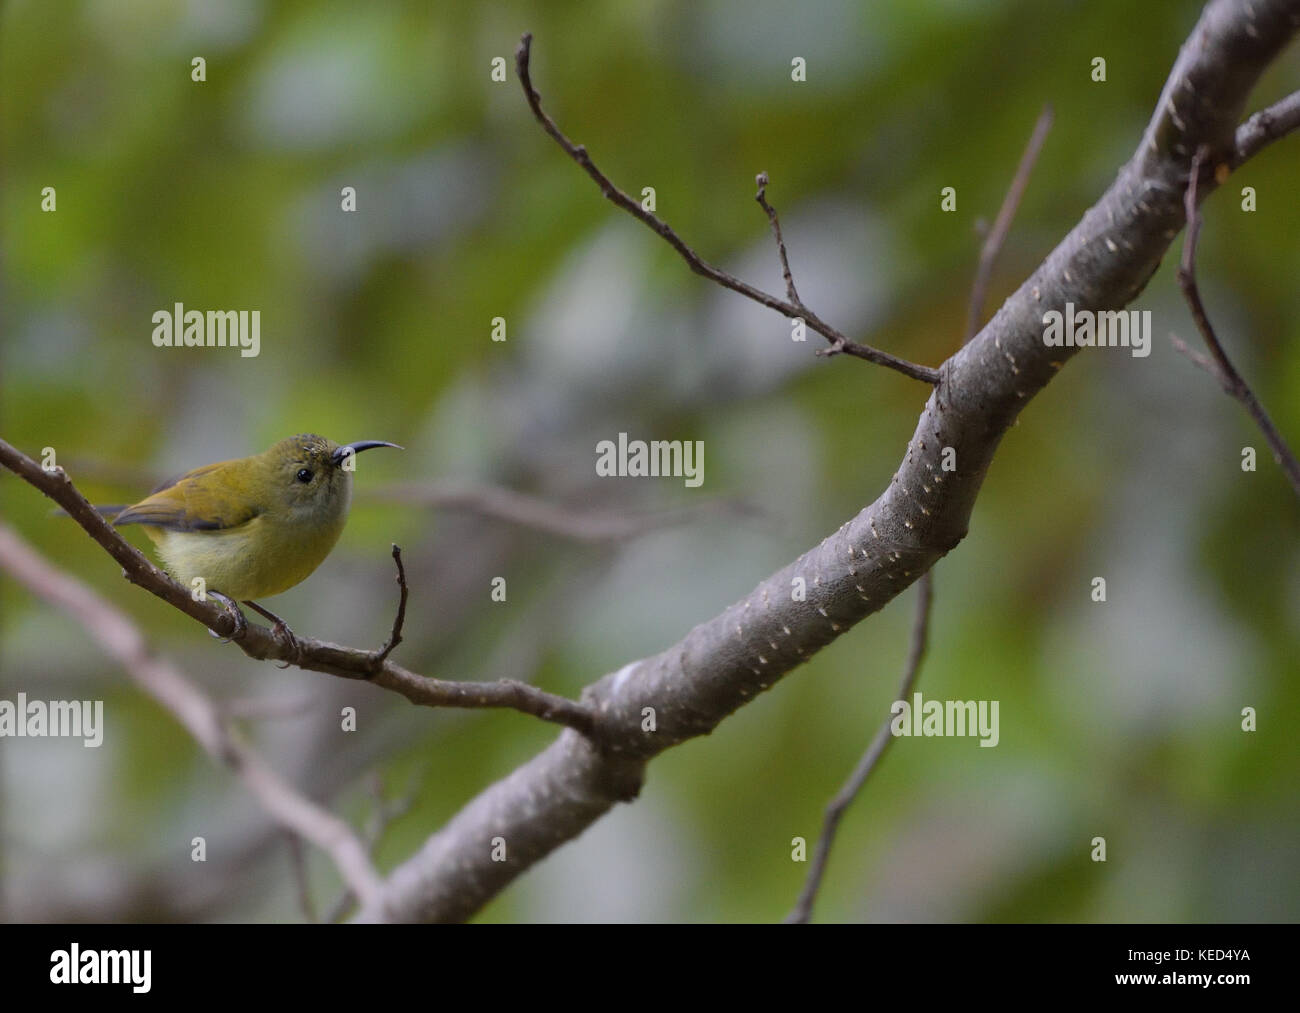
(255, 526)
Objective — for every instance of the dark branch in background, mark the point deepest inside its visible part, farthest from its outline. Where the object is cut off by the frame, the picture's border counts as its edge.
(989, 251)
(298, 865)
(793, 310)
(1002, 224)
(1219, 365)
(870, 760)
(260, 643)
(200, 715)
(383, 814)
(722, 664)
(580, 525)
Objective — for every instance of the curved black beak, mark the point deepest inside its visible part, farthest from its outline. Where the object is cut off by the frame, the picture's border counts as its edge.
(342, 452)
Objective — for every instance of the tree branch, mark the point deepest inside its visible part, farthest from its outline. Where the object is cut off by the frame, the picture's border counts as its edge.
(313, 655)
(866, 766)
(1104, 262)
(577, 152)
(992, 246)
(395, 637)
(1265, 127)
(382, 815)
(580, 525)
(1219, 365)
(123, 642)
(791, 292)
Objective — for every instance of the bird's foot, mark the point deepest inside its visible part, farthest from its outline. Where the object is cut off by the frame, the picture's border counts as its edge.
(241, 624)
(280, 630)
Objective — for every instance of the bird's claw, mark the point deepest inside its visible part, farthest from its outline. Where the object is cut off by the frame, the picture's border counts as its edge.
(236, 616)
(285, 636)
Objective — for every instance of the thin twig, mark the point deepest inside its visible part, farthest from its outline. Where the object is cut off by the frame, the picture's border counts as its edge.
(1002, 224)
(313, 655)
(839, 342)
(802, 911)
(383, 813)
(761, 197)
(394, 638)
(199, 714)
(578, 524)
(1219, 365)
(1197, 358)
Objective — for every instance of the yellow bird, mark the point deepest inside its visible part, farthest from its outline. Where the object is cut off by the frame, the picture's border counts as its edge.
(255, 526)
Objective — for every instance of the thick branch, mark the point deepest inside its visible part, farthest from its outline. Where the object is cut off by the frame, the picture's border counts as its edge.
(260, 643)
(1103, 263)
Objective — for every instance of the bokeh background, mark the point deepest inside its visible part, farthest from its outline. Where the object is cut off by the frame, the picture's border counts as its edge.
(1119, 720)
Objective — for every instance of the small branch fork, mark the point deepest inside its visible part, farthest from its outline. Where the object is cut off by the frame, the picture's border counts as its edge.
(761, 197)
(313, 655)
(1217, 364)
(793, 309)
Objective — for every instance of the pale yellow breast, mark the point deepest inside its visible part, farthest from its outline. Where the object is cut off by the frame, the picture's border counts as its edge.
(255, 560)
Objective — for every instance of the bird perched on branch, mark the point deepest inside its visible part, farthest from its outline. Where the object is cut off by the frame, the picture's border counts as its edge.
(255, 526)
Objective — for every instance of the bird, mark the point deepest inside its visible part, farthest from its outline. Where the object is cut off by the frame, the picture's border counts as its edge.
(254, 526)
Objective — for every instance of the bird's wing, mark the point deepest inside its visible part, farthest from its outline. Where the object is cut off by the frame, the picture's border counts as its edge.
(198, 501)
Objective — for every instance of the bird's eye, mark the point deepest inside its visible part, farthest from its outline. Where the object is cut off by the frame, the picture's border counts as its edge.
(303, 475)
